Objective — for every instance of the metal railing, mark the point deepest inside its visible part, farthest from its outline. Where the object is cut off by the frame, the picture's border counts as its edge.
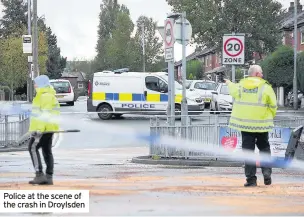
(204, 129)
(12, 128)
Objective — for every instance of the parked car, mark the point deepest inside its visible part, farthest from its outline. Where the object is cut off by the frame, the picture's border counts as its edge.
(221, 100)
(204, 88)
(64, 91)
(290, 97)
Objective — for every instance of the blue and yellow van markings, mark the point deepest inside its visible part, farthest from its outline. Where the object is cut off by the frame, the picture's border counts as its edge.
(133, 97)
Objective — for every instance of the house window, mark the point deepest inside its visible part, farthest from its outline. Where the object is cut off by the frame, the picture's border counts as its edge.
(302, 37)
(80, 85)
(206, 61)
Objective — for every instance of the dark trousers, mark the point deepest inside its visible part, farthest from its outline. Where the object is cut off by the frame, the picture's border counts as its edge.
(249, 140)
(45, 143)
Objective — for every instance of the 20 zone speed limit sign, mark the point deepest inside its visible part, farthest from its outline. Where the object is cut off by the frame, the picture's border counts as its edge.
(233, 50)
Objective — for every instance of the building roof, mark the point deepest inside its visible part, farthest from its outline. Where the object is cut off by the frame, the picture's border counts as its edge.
(195, 55)
(81, 76)
(288, 22)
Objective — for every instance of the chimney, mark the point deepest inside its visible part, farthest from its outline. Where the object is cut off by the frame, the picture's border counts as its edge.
(299, 7)
(291, 7)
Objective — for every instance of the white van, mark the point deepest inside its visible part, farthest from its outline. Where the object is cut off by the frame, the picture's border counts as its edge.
(64, 91)
(135, 92)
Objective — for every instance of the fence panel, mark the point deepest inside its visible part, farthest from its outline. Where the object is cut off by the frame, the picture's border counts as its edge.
(12, 128)
(204, 130)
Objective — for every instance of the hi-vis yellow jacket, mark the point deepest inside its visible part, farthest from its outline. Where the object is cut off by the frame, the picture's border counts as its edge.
(254, 107)
(45, 111)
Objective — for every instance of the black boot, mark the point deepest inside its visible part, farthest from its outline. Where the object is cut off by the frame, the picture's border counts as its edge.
(267, 181)
(251, 182)
(38, 180)
(49, 179)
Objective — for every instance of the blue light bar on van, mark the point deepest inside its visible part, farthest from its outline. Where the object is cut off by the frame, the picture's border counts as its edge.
(121, 70)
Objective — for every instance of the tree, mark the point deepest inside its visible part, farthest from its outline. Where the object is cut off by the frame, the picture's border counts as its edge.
(211, 19)
(55, 63)
(153, 46)
(120, 48)
(194, 68)
(14, 70)
(278, 67)
(14, 18)
(107, 21)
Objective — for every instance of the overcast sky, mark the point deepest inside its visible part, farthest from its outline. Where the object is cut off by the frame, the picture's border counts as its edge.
(75, 22)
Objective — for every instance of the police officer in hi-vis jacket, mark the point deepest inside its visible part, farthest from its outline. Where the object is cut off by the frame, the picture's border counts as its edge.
(254, 108)
(44, 111)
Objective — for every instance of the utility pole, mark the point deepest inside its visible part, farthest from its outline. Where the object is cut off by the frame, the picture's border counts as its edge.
(143, 45)
(184, 106)
(35, 39)
(295, 37)
(29, 80)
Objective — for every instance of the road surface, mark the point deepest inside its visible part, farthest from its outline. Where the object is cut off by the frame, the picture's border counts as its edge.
(118, 187)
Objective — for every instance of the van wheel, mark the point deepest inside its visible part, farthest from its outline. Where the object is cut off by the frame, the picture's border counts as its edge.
(71, 103)
(217, 110)
(105, 110)
(178, 110)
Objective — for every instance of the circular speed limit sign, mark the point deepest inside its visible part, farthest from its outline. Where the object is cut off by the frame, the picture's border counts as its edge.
(233, 50)
(169, 33)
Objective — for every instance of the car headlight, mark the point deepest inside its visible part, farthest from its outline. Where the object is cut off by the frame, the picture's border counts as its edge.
(196, 100)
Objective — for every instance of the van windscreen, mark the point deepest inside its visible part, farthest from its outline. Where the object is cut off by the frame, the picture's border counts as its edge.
(61, 87)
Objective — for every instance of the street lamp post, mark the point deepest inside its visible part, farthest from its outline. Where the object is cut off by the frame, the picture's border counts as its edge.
(29, 81)
(35, 39)
(295, 88)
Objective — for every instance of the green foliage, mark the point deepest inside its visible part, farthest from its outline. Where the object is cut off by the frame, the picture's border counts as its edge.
(194, 68)
(211, 19)
(107, 23)
(42, 53)
(116, 48)
(120, 47)
(190, 77)
(278, 67)
(153, 47)
(55, 63)
(13, 63)
(14, 19)
(239, 74)
(14, 66)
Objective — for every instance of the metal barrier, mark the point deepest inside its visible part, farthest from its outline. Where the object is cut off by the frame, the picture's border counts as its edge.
(12, 128)
(205, 130)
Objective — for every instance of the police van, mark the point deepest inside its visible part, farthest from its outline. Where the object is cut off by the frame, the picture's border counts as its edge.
(136, 93)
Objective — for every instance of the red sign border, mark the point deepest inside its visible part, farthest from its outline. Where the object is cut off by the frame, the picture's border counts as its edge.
(230, 39)
(170, 23)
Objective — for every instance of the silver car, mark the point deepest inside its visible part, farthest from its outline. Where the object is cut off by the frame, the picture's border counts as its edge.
(221, 100)
(204, 88)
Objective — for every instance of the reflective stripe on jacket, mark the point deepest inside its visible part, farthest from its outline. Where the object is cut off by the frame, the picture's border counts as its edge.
(254, 106)
(45, 110)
